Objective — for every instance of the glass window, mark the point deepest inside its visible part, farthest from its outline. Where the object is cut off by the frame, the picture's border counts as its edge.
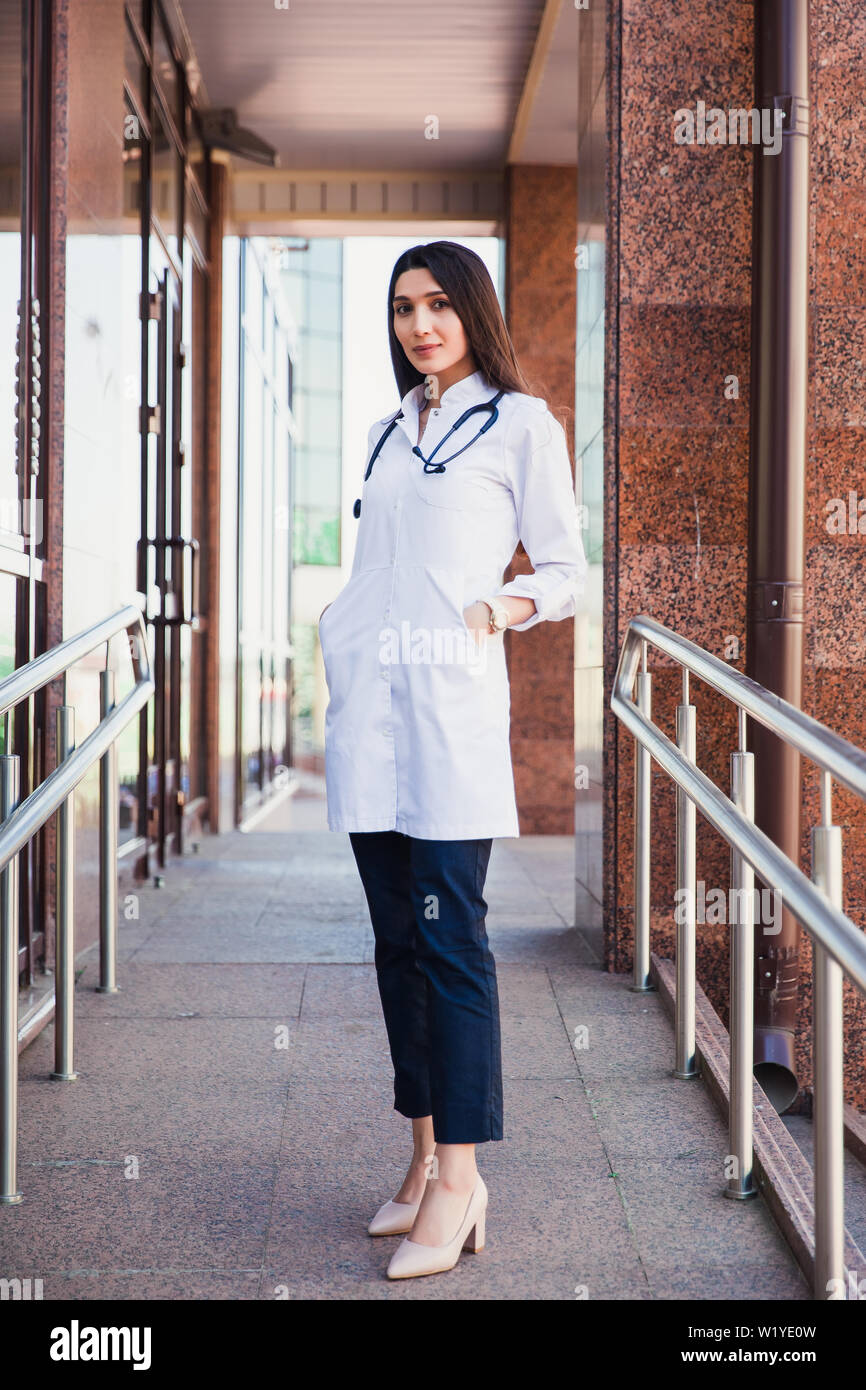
(322, 360)
(133, 148)
(316, 536)
(165, 70)
(269, 335)
(253, 297)
(323, 256)
(133, 66)
(167, 174)
(281, 369)
(318, 478)
(295, 290)
(267, 518)
(194, 147)
(196, 219)
(325, 304)
(321, 421)
(136, 9)
(252, 495)
(281, 533)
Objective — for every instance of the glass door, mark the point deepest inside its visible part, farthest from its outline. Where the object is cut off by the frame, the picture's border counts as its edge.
(264, 542)
(171, 497)
(163, 561)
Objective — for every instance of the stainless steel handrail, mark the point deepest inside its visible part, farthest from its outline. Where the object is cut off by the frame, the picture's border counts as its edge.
(20, 822)
(839, 944)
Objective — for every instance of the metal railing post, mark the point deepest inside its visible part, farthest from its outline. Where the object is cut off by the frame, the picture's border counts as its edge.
(741, 1186)
(64, 949)
(642, 983)
(107, 848)
(686, 1066)
(9, 792)
(827, 1055)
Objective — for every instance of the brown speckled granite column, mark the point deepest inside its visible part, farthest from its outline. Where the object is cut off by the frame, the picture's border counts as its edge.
(676, 449)
(539, 304)
(681, 216)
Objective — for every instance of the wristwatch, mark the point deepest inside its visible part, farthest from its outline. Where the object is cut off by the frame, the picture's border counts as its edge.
(498, 614)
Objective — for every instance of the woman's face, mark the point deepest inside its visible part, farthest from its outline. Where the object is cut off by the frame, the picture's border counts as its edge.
(428, 329)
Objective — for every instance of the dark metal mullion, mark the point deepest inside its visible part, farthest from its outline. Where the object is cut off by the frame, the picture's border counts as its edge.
(138, 109)
(170, 256)
(288, 662)
(267, 539)
(22, 742)
(146, 202)
(177, 560)
(198, 192)
(275, 423)
(179, 462)
(139, 34)
(160, 574)
(158, 100)
(33, 857)
(177, 56)
(239, 549)
(25, 347)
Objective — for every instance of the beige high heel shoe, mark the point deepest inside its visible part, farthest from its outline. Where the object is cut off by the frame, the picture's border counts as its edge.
(393, 1218)
(410, 1258)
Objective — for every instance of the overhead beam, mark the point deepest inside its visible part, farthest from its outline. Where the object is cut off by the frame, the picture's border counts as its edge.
(351, 198)
(523, 115)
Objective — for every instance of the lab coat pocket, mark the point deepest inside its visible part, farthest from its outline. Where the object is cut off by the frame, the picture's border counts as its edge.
(455, 490)
(471, 642)
(329, 611)
(325, 629)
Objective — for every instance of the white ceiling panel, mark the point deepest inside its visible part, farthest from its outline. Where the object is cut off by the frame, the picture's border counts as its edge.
(336, 84)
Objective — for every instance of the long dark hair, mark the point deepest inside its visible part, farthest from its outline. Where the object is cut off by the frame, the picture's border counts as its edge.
(465, 279)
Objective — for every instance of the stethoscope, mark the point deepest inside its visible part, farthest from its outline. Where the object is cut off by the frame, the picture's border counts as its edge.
(429, 466)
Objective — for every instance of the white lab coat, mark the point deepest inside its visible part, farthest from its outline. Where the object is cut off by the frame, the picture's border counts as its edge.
(417, 726)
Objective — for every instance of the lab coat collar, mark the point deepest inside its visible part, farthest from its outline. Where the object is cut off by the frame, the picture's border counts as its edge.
(470, 390)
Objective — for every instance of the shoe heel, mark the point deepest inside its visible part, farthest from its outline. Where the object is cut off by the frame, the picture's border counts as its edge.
(475, 1239)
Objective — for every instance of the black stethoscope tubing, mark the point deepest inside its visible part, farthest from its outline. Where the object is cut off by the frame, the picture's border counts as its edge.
(429, 466)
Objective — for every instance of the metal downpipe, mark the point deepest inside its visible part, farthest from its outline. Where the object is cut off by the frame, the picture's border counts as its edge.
(777, 460)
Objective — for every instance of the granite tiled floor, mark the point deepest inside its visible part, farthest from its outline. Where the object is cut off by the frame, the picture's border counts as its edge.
(232, 1130)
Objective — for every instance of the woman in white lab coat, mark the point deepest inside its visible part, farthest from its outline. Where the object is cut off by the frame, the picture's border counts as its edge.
(417, 752)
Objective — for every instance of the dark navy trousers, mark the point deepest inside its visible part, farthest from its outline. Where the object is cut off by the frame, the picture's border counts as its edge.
(437, 979)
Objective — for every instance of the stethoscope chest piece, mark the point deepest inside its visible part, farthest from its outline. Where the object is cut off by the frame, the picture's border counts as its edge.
(429, 465)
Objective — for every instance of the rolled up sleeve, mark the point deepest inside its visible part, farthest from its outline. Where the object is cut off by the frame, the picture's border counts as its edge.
(548, 525)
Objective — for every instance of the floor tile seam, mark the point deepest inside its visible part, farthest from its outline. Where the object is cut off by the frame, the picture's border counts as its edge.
(103, 1270)
(603, 1143)
(176, 1018)
(279, 1149)
(743, 1260)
